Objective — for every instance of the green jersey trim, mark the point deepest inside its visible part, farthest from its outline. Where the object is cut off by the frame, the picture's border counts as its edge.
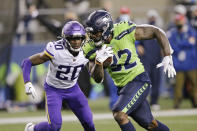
(135, 98)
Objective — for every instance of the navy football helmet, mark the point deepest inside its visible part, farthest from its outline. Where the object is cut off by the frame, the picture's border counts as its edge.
(73, 30)
(100, 21)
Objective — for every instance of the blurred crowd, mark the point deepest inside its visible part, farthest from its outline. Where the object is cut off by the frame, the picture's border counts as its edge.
(181, 32)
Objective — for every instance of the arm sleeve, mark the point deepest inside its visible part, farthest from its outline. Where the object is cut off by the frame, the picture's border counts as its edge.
(26, 67)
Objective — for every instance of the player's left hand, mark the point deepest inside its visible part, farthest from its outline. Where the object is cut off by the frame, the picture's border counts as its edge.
(167, 63)
(104, 53)
(30, 90)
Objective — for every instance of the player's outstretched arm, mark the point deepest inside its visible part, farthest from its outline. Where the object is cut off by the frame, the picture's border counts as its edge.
(31, 61)
(144, 32)
(26, 67)
(39, 58)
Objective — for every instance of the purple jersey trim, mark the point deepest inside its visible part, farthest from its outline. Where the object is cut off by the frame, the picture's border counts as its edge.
(26, 67)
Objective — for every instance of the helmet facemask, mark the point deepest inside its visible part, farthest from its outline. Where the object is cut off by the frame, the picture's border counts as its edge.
(97, 40)
(107, 31)
(70, 46)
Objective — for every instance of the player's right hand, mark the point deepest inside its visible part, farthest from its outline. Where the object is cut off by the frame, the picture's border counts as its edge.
(167, 63)
(103, 53)
(30, 90)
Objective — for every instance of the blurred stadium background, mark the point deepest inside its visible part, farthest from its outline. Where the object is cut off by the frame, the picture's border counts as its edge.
(22, 35)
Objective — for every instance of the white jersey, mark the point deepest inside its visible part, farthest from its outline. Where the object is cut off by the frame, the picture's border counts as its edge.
(64, 68)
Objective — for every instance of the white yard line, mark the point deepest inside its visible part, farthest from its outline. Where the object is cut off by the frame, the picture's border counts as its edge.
(97, 116)
(180, 112)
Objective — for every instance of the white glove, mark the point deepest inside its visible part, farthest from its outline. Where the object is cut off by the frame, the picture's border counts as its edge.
(103, 53)
(30, 90)
(167, 63)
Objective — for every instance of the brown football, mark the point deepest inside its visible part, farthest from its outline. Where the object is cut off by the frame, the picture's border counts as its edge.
(107, 62)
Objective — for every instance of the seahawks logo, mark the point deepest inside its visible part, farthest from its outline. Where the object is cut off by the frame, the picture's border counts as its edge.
(103, 20)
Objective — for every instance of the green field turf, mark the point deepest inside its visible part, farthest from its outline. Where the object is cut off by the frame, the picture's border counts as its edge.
(183, 123)
(178, 123)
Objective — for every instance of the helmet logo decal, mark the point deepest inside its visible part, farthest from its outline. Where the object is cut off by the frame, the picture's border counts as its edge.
(105, 19)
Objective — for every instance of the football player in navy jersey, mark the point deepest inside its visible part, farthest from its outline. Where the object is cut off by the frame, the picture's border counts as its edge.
(126, 70)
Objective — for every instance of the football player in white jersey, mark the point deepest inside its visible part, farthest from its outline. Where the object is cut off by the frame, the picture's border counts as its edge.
(66, 61)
